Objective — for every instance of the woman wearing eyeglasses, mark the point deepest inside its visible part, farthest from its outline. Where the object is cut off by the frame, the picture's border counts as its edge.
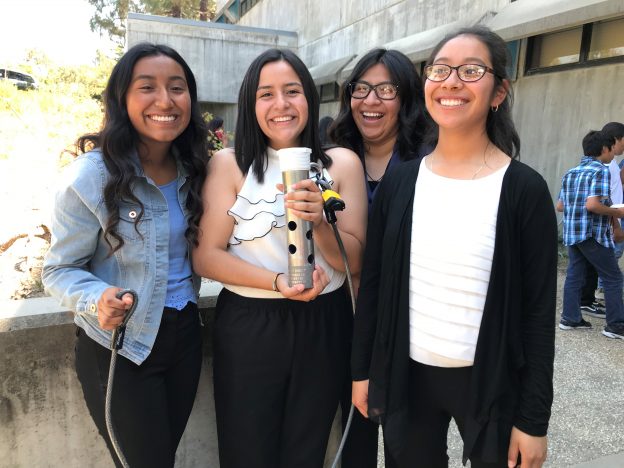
(382, 119)
(459, 323)
(382, 114)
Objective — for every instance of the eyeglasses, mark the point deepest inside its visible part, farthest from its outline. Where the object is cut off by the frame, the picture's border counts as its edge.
(468, 72)
(385, 91)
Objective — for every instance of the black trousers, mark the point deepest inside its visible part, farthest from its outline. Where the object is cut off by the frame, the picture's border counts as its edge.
(437, 394)
(588, 293)
(279, 368)
(151, 403)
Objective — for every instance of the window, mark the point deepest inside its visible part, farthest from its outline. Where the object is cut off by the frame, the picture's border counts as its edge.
(557, 48)
(245, 5)
(587, 45)
(607, 40)
(513, 48)
(328, 92)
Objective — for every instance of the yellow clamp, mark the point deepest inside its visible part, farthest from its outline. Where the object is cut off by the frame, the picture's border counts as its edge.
(327, 194)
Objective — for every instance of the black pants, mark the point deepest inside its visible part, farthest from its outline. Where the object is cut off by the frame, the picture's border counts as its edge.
(588, 293)
(279, 368)
(437, 394)
(151, 403)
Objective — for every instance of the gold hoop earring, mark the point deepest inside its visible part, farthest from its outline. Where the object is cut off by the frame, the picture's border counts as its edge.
(495, 109)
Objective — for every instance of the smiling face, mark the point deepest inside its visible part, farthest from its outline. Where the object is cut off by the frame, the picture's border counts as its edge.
(376, 119)
(281, 105)
(455, 104)
(158, 101)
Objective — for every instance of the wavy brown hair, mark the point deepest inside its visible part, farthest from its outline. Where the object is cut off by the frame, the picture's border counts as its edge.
(118, 140)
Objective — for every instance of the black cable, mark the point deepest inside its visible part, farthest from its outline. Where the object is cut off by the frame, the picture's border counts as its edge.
(117, 339)
(332, 203)
(343, 253)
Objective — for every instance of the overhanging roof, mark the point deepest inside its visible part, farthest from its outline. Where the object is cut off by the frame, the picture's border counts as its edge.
(525, 18)
(330, 71)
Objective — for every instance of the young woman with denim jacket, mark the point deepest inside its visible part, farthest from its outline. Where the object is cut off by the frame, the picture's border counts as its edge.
(280, 351)
(126, 216)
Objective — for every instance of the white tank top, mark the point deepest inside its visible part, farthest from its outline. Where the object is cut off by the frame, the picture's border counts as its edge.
(259, 234)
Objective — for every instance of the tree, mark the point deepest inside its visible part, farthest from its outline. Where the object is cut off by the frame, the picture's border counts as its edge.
(110, 15)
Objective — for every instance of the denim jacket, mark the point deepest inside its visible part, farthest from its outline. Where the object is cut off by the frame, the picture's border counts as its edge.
(78, 267)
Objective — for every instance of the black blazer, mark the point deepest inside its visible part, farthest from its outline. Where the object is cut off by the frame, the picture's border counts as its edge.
(511, 381)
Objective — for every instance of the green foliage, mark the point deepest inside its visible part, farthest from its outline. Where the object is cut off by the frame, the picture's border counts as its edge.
(47, 121)
(110, 15)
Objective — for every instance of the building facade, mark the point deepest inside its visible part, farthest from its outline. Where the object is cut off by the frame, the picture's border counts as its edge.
(567, 55)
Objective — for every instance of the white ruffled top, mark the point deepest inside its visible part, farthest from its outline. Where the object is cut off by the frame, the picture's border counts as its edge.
(259, 235)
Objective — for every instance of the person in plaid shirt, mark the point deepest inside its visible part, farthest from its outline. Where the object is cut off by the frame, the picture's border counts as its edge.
(588, 233)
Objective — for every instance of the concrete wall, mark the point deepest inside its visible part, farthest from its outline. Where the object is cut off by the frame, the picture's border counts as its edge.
(44, 421)
(331, 29)
(43, 418)
(554, 111)
(218, 54)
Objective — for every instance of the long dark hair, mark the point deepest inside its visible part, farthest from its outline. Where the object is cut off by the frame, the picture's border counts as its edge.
(118, 140)
(499, 125)
(251, 143)
(412, 118)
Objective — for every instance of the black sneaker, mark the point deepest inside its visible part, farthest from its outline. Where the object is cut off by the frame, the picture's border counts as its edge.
(582, 325)
(597, 309)
(614, 331)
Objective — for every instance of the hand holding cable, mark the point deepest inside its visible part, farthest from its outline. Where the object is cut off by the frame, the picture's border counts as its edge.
(112, 309)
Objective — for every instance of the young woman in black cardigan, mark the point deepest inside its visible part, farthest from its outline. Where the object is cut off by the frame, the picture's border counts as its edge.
(456, 309)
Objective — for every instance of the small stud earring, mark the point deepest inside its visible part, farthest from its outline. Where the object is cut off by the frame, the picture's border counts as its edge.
(495, 109)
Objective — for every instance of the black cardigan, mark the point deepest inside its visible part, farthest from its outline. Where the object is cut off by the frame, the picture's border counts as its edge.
(511, 382)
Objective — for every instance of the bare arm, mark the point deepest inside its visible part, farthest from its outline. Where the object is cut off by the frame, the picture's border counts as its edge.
(560, 206)
(594, 205)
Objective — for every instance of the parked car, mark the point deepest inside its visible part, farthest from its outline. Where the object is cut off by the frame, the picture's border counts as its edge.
(23, 81)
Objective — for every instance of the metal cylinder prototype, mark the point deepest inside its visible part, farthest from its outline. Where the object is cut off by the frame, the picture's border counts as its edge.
(295, 167)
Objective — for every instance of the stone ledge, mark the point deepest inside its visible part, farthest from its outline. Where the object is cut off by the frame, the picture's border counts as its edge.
(46, 311)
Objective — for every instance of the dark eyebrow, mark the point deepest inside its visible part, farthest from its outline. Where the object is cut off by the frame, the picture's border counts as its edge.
(151, 77)
(371, 85)
(294, 83)
(476, 60)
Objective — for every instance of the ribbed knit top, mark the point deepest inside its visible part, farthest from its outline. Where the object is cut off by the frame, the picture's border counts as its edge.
(452, 244)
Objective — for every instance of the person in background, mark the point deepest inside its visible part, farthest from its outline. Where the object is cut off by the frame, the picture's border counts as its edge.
(324, 125)
(217, 137)
(589, 223)
(125, 216)
(461, 325)
(590, 304)
(280, 352)
(383, 119)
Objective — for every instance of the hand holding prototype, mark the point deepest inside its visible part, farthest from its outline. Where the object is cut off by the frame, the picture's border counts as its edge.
(297, 293)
